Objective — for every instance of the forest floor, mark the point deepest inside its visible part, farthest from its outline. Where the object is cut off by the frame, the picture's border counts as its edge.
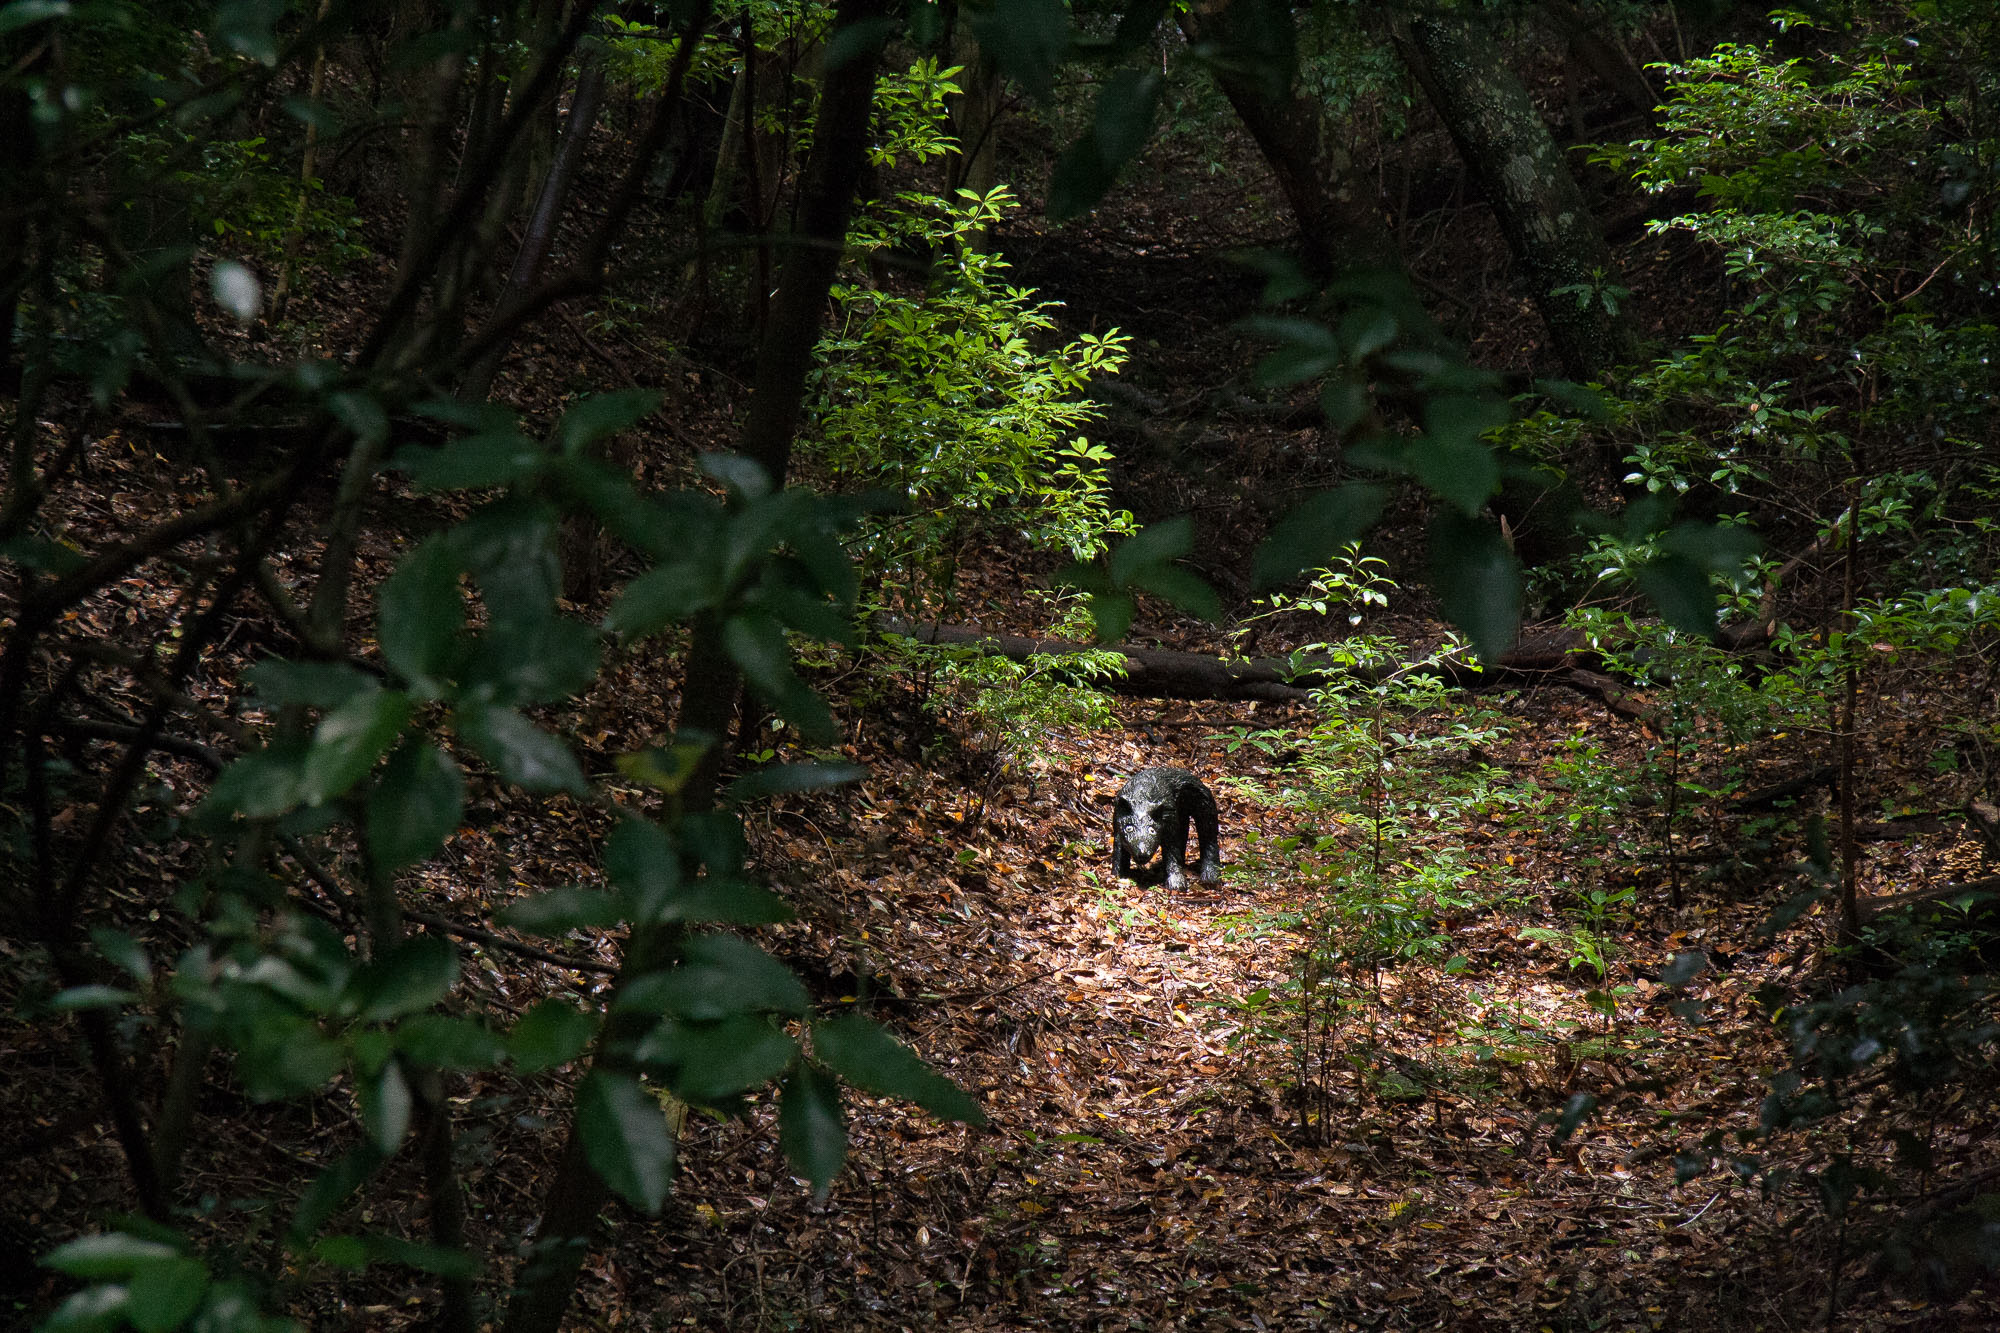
(1176, 1138)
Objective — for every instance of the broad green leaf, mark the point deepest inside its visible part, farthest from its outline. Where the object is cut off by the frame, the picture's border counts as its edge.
(1683, 968)
(441, 1041)
(1081, 176)
(329, 1192)
(510, 548)
(477, 462)
(360, 412)
(1682, 591)
(1184, 588)
(720, 976)
(413, 976)
(422, 611)
(1027, 40)
(114, 1254)
(783, 779)
(640, 858)
(708, 1062)
(625, 1137)
(383, 1247)
(1155, 544)
(862, 1053)
(19, 14)
(162, 1295)
(745, 476)
(602, 415)
(537, 660)
(1365, 331)
(1477, 581)
(1316, 531)
(1719, 548)
(1345, 403)
(78, 998)
(552, 1033)
(519, 751)
(262, 785)
(415, 806)
(668, 595)
(756, 643)
(1112, 614)
(559, 911)
(1125, 111)
(313, 684)
(1464, 472)
(385, 1106)
(810, 1128)
(124, 951)
(1306, 350)
(724, 899)
(95, 1309)
(249, 28)
(295, 1058)
(349, 740)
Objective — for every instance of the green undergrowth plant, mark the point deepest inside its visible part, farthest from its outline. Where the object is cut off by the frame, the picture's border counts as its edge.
(1375, 787)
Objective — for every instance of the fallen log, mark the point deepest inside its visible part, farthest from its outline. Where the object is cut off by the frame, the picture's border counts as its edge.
(1164, 673)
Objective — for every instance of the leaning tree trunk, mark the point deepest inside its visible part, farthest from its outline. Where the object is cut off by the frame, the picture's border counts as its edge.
(1549, 229)
(1338, 226)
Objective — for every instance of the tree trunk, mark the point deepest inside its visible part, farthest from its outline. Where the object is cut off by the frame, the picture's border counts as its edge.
(1549, 229)
(540, 236)
(1339, 225)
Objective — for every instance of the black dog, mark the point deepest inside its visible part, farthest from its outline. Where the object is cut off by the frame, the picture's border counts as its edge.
(1154, 809)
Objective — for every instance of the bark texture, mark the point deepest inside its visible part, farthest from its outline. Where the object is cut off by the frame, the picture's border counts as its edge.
(1549, 228)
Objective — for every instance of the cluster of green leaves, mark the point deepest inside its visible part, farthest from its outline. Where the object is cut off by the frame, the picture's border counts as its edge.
(700, 1014)
(945, 399)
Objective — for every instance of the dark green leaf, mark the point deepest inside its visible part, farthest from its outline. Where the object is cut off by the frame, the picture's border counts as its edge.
(641, 860)
(720, 976)
(1685, 966)
(560, 911)
(510, 548)
(1461, 471)
(745, 476)
(602, 415)
(1478, 582)
(862, 1053)
(853, 40)
(249, 27)
(444, 1262)
(783, 779)
(537, 660)
(385, 1106)
(552, 1033)
(1155, 544)
(521, 752)
(1112, 614)
(1027, 40)
(809, 1126)
(263, 785)
(19, 14)
(721, 899)
(1316, 531)
(668, 595)
(1080, 178)
(329, 1190)
(476, 462)
(706, 1063)
(1125, 111)
(421, 615)
(113, 1255)
(95, 1309)
(1184, 588)
(1345, 403)
(414, 807)
(1682, 591)
(625, 1137)
(440, 1041)
(1719, 548)
(162, 1295)
(349, 740)
(1575, 1111)
(313, 684)
(124, 951)
(756, 643)
(78, 998)
(413, 976)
